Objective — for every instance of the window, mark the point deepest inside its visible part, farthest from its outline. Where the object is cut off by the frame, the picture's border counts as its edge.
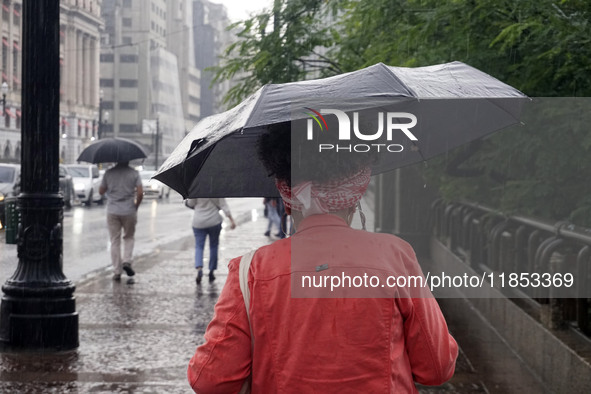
(126, 40)
(15, 58)
(127, 3)
(126, 22)
(6, 11)
(107, 83)
(17, 14)
(128, 83)
(127, 128)
(107, 58)
(128, 58)
(4, 58)
(127, 105)
(107, 105)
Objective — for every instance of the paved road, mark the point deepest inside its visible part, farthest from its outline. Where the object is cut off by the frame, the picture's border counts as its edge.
(86, 241)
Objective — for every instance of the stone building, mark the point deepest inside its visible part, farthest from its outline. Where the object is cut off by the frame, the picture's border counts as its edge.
(80, 24)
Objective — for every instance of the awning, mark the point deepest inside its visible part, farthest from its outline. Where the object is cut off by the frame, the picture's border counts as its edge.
(65, 122)
(15, 79)
(4, 76)
(9, 113)
(61, 61)
(62, 33)
(5, 8)
(18, 113)
(15, 44)
(16, 12)
(5, 42)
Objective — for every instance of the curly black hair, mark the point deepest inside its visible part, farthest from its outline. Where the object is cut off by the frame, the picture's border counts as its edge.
(288, 156)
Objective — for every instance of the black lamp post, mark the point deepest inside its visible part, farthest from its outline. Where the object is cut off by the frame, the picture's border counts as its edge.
(38, 310)
(101, 123)
(4, 89)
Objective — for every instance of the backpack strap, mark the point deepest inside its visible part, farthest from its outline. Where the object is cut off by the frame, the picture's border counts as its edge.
(243, 279)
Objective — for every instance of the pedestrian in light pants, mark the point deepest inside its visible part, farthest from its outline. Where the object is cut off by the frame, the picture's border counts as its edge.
(123, 187)
(118, 224)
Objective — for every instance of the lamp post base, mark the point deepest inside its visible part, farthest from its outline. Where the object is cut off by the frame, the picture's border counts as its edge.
(36, 324)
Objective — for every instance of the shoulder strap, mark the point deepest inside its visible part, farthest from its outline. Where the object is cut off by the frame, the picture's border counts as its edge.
(243, 279)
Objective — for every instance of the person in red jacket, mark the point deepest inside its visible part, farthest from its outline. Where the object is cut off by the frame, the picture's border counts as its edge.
(302, 337)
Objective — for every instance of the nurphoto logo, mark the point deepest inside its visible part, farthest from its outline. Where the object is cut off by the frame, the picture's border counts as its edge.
(394, 124)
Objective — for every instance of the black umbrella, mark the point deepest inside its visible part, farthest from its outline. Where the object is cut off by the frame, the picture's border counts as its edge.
(446, 105)
(112, 150)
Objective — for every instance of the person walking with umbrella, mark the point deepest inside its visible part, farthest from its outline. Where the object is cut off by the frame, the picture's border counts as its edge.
(123, 187)
(322, 342)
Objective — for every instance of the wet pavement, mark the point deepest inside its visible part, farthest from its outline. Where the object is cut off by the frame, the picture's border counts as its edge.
(139, 337)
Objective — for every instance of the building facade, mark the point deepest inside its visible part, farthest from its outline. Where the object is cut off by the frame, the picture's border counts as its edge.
(211, 37)
(149, 83)
(11, 28)
(181, 42)
(80, 26)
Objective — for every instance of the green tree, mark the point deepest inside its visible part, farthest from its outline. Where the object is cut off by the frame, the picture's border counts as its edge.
(538, 46)
(277, 46)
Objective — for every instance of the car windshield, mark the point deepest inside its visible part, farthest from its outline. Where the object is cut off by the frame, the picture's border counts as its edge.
(79, 172)
(7, 174)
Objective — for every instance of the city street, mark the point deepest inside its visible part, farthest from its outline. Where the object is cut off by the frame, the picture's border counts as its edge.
(86, 241)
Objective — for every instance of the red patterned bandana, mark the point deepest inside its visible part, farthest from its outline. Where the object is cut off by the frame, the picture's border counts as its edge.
(312, 198)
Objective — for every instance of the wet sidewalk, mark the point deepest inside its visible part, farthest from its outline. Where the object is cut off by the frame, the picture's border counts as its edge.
(138, 338)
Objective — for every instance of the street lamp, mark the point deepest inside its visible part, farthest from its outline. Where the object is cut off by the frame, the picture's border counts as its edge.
(38, 309)
(4, 89)
(101, 123)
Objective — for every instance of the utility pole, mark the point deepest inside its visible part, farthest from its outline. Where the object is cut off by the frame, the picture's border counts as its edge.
(38, 309)
(157, 143)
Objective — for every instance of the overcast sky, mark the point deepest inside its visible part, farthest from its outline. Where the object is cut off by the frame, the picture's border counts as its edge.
(241, 9)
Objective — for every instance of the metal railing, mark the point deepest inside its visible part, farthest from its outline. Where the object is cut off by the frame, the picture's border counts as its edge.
(489, 241)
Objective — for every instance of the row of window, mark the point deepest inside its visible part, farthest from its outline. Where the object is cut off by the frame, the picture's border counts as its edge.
(124, 83)
(123, 128)
(122, 105)
(158, 29)
(124, 58)
(158, 11)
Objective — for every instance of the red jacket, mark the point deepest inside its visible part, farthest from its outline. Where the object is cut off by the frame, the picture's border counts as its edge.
(323, 345)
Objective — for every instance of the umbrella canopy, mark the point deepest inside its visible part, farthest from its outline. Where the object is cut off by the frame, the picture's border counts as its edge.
(112, 150)
(453, 103)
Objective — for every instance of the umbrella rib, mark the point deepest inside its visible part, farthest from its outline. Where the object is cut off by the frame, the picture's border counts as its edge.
(256, 106)
(412, 92)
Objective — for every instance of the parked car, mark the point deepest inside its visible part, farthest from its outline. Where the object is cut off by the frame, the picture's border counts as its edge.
(152, 187)
(10, 175)
(67, 186)
(86, 180)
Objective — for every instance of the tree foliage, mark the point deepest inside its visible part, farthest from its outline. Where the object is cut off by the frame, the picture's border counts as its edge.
(541, 47)
(276, 46)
